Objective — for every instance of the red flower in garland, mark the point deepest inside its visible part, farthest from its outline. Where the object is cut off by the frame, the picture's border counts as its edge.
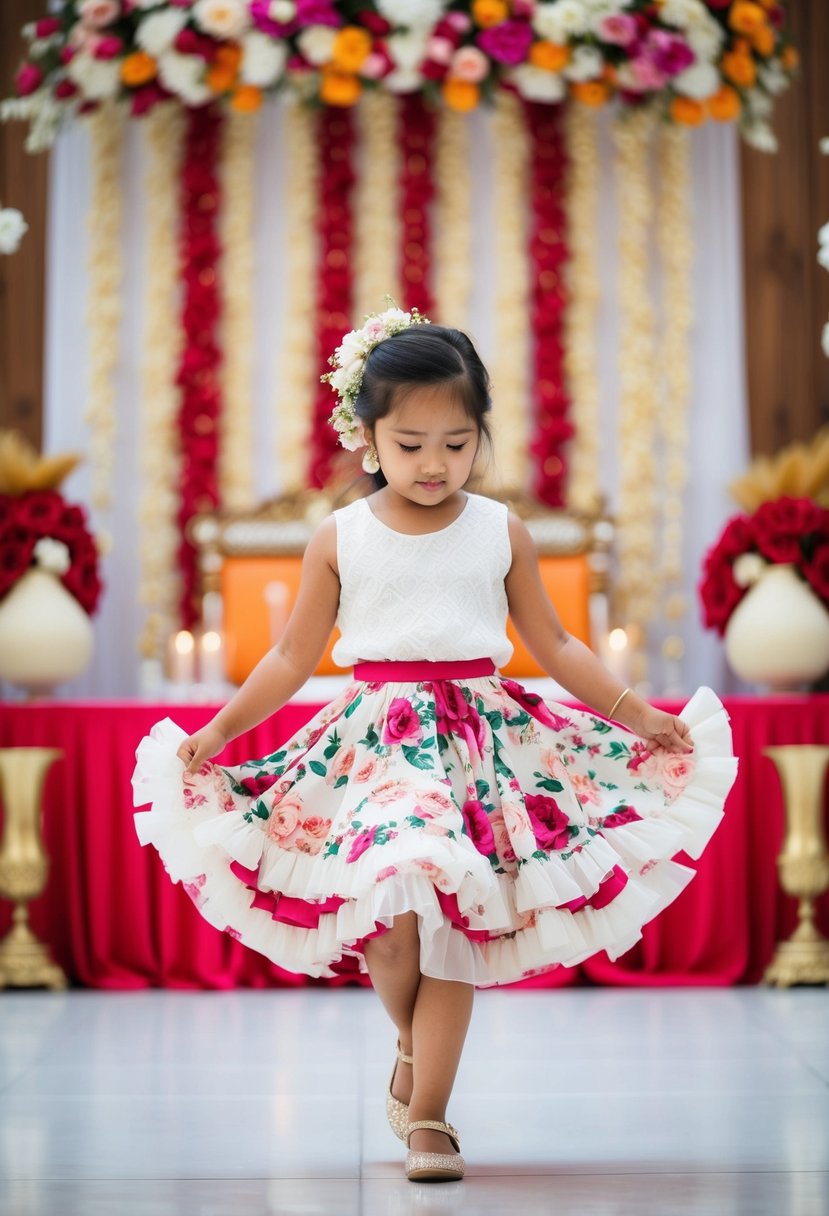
(786, 530)
(36, 515)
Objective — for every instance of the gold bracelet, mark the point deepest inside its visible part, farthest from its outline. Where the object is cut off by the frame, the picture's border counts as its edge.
(618, 701)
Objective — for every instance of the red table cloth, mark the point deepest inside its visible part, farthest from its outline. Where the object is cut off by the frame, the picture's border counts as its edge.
(113, 919)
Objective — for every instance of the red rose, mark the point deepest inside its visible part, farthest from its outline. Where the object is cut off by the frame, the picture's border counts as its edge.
(720, 595)
(549, 822)
(817, 572)
(28, 79)
(402, 724)
(622, 815)
(782, 525)
(478, 826)
(508, 42)
(46, 26)
(39, 510)
(737, 537)
(15, 559)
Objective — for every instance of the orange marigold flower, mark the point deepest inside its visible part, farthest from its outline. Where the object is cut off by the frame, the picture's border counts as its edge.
(687, 112)
(228, 56)
(741, 69)
(590, 92)
(246, 99)
(352, 46)
(725, 105)
(763, 40)
(460, 95)
(138, 68)
(489, 12)
(790, 58)
(339, 88)
(549, 55)
(746, 16)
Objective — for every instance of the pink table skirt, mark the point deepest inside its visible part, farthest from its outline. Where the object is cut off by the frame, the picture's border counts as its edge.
(114, 920)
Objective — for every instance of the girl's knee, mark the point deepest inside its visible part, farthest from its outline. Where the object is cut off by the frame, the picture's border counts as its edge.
(399, 941)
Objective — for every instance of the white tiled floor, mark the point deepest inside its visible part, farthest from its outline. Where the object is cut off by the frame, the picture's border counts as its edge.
(600, 1102)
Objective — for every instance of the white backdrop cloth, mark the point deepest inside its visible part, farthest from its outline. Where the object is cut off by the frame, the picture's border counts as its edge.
(719, 440)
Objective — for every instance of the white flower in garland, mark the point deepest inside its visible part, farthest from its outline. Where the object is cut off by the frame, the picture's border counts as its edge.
(157, 33)
(13, 227)
(537, 84)
(562, 20)
(412, 14)
(222, 18)
(184, 76)
(408, 50)
(760, 135)
(586, 63)
(99, 79)
(699, 81)
(316, 43)
(348, 362)
(263, 59)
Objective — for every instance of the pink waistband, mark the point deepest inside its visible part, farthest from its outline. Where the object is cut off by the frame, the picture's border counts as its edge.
(412, 673)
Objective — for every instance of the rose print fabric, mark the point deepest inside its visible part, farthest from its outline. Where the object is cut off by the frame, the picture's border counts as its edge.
(523, 834)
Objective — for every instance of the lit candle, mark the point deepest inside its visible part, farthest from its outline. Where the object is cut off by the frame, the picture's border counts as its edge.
(212, 659)
(183, 658)
(617, 653)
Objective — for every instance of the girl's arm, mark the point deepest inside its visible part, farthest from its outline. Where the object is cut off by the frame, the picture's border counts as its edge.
(568, 660)
(286, 667)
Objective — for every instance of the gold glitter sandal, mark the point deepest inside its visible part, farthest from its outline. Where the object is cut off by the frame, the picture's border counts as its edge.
(434, 1167)
(397, 1112)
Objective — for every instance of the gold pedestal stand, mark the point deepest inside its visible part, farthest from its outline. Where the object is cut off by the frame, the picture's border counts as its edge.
(803, 864)
(24, 961)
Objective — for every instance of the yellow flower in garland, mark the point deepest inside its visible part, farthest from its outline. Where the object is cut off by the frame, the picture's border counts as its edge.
(549, 55)
(461, 95)
(138, 68)
(339, 88)
(725, 105)
(224, 68)
(746, 16)
(246, 99)
(687, 112)
(740, 68)
(489, 12)
(590, 92)
(351, 48)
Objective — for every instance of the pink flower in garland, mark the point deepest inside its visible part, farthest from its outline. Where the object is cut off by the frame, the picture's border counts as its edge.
(508, 42)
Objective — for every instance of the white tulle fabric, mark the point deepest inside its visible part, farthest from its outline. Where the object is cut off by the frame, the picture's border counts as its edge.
(519, 905)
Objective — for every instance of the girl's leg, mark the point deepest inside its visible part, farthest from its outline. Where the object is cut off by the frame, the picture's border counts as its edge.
(442, 1012)
(393, 961)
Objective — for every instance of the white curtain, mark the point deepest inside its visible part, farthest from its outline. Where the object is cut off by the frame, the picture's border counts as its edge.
(719, 443)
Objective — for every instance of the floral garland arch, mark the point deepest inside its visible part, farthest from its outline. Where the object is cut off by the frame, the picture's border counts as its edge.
(692, 59)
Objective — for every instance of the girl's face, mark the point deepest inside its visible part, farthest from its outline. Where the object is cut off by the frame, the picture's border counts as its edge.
(426, 445)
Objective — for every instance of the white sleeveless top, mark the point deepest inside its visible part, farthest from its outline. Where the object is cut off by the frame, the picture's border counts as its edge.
(438, 597)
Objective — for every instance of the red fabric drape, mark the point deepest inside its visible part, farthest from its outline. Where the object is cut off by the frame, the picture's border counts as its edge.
(114, 919)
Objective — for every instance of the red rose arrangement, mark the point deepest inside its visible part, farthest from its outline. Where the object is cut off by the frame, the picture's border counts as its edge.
(787, 530)
(25, 520)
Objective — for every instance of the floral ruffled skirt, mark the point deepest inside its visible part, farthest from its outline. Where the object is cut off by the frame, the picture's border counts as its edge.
(524, 834)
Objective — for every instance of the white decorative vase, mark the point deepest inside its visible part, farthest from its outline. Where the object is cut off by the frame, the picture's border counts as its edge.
(45, 635)
(778, 634)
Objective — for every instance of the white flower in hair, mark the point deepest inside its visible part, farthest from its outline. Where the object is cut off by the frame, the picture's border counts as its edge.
(348, 362)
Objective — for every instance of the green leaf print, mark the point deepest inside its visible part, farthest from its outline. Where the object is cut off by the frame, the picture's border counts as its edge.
(259, 810)
(443, 743)
(481, 789)
(352, 705)
(276, 758)
(371, 739)
(618, 750)
(332, 848)
(608, 785)
(234, 784)
(415, 821)
(318, 768)
(548, 783)
(600, 727)
(495, 718)
(341, 781)
(418, 758)
(334, 745)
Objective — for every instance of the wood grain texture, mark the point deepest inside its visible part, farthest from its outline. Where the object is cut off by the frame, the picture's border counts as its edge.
(23, 184)
(785, 200)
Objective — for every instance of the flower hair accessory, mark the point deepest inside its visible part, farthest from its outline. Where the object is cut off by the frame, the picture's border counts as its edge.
(348, 362)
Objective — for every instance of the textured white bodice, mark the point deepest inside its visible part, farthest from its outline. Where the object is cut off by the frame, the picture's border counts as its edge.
(438, 597)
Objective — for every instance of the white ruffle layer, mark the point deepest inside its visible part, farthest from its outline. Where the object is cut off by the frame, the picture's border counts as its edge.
(523, 908)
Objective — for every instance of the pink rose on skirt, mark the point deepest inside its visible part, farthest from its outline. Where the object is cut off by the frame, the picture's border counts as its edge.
(432, 802)
(478, 826)
(284, 819)
(257, 785)
(402, 723)
(677, 770)
(456, 716)
(621, 816)
(503, 843)
(362, 841)
(316, 826)
(341, 764)
(549, 823)
(535, 706)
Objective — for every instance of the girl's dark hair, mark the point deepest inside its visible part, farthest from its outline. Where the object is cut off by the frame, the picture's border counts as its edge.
(424, 355)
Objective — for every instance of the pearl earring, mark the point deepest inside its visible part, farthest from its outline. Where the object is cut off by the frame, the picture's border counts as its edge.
(371, 462)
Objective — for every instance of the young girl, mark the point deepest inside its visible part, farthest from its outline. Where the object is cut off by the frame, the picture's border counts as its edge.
(436, 822)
